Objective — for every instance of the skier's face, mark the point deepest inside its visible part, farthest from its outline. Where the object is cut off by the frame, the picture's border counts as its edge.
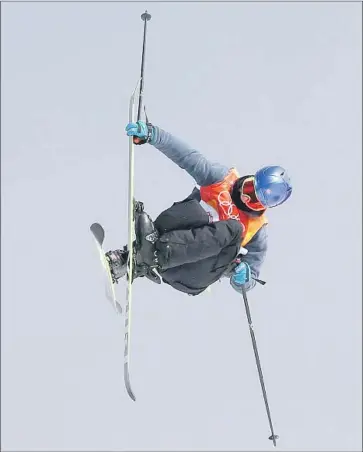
(248, 195)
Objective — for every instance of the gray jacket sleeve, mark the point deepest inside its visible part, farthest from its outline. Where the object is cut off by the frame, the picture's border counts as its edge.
(192, 161)
(257, 249)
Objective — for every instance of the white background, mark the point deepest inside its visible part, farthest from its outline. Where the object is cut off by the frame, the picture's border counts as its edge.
(248, 85)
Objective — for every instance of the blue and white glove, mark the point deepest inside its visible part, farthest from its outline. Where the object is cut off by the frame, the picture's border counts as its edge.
(141, 131)
(242, 274)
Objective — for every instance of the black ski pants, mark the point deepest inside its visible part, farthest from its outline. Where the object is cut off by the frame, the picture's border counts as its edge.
(194, 253)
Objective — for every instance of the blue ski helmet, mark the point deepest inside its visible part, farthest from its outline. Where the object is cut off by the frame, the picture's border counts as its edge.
(272, 185)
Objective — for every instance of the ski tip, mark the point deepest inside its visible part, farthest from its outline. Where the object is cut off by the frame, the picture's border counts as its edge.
(127, 381)
(129, 390)
(96, 227)
(98, 232)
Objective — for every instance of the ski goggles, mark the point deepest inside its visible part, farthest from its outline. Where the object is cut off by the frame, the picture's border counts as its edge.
(248, 195)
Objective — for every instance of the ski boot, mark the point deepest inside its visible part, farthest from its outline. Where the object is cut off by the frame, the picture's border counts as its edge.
(146, 236)
(145, 251)
(117, 261)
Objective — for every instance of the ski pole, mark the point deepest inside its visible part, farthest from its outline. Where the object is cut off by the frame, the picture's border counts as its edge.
(273, 437)
(145, 17)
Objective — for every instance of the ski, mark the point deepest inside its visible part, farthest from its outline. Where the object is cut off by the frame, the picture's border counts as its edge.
(131, 257)
(132, 269)
(99, 236)
(132, 206)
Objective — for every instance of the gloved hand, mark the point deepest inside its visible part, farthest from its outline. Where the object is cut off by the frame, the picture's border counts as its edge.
(142, 131)
(242, 274)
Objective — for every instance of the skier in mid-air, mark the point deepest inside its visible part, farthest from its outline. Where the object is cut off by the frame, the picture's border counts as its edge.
(219, 230)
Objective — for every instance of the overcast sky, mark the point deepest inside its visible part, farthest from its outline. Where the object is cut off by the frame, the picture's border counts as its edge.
(248, 85)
